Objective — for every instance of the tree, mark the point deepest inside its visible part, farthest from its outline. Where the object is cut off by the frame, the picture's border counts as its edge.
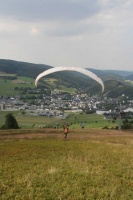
(10, 123)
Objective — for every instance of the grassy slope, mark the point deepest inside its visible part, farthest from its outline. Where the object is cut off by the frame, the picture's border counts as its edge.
(54, 83)
(95, 168)
(7, 86)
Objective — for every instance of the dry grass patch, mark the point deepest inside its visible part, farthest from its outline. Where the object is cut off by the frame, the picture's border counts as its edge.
(91, 164)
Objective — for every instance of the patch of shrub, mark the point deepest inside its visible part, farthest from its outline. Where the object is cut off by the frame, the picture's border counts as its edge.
(105, 127)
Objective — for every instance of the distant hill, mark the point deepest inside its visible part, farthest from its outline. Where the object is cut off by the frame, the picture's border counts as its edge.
(22, 68)
(116, 89)
(120, 73)
(114, 81)
(112, 76)
(130, 77)
(117, 72)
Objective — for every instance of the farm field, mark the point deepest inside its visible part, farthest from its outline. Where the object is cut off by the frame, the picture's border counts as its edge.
(90, 164)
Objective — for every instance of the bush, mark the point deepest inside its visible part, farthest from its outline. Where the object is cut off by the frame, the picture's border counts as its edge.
(126, 126)
(105, 127)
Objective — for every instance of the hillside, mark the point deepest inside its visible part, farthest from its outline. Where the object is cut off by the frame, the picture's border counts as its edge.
(69, 79)
(22, 75)
(22, 68)
(120, 73)
(115, 88)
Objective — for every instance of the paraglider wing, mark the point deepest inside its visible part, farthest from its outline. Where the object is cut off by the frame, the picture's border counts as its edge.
(81, 70)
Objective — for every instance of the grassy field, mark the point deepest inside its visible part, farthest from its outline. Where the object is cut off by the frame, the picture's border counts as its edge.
(90, 120)
(7, 86)
(90, 165)
(27, 121)
(73, 120)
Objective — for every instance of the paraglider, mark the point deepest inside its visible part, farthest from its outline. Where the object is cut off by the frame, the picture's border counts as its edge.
(66, 68)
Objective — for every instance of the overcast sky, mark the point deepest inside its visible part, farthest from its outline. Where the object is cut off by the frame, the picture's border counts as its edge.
(84, 33)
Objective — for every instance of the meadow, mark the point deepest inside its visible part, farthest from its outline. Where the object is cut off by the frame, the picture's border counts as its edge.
(7, 86)
(74, 120)
(90, 164)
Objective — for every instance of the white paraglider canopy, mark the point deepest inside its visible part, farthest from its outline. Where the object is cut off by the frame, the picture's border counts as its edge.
(67, 68)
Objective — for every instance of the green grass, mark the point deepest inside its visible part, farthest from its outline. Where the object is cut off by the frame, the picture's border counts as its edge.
(62, 88)
(27, 121)
(7, 86)
(28, 80)
(74, 120)
(49, 169)
(91, 121)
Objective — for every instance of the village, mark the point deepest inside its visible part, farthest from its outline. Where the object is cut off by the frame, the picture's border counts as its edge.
(57, 103)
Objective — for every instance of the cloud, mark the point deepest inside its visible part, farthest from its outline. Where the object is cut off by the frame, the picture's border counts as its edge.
(70, 17)
(96, 33)
(57, 9)
(52, 9)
